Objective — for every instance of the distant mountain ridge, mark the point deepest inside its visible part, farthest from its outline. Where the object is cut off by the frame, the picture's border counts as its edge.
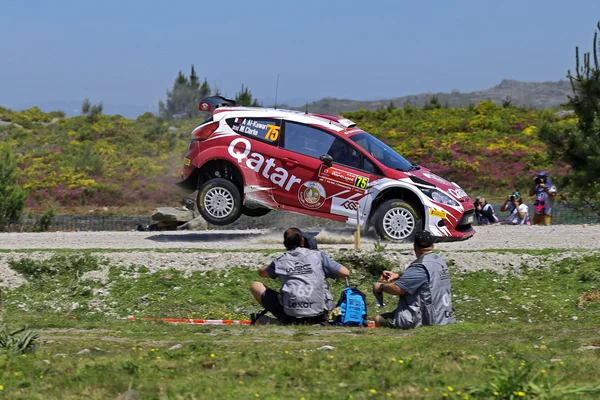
(533, 94)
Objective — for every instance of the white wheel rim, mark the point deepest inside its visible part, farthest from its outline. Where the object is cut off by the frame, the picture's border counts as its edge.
(218, 202)
(398, 223)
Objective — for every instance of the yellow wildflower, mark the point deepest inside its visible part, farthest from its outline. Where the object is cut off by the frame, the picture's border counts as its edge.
(450, 389)
(212, 355)
(373, 391)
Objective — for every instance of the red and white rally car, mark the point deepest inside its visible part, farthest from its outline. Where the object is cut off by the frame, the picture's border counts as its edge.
(246, 160)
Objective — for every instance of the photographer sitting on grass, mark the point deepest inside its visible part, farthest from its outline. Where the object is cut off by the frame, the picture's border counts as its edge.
(519, 212)
(425, 295)
(304, 297)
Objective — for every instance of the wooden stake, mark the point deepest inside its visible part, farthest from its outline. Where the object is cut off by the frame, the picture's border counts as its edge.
(357, 233)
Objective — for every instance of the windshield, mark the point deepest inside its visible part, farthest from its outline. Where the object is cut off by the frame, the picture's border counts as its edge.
(382, 152)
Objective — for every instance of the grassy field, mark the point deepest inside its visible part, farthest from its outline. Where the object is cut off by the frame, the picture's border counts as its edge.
(535, 334)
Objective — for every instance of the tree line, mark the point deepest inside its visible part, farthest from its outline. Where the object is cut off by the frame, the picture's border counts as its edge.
(187, 92)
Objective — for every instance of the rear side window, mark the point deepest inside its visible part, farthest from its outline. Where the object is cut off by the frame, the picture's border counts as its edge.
(264, 129)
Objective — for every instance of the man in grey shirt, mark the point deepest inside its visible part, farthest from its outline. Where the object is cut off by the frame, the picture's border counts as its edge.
(425, 296)
(304, 296)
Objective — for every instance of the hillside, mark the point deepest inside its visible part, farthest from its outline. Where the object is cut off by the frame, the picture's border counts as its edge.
(123, 164)
(531, 94)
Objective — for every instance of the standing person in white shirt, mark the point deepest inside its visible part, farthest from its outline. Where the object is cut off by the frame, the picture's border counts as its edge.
(519, 212)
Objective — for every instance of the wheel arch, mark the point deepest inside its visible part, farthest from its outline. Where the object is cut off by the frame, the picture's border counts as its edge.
(219, 168)
(398, 193)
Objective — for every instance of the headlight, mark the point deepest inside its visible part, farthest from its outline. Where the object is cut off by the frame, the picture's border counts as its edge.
(440, 197)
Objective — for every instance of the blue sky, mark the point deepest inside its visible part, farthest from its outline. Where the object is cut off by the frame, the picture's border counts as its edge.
(129, 52)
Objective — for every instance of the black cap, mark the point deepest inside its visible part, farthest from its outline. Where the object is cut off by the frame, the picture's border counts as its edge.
(424, 239)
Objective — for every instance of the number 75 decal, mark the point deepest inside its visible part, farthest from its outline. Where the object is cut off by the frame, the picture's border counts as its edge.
(272, 132)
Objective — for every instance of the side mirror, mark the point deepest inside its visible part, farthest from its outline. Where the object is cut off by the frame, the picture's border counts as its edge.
(327, 159)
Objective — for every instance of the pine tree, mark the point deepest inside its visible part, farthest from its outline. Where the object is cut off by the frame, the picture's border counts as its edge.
(581, 148)
(12, 196)
(185, 96)
(244, 97)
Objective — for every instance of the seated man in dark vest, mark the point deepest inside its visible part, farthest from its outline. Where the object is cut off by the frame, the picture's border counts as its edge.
(424, 290)
(304, 295)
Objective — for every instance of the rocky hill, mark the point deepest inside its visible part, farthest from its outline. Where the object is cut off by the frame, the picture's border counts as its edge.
(533, 94)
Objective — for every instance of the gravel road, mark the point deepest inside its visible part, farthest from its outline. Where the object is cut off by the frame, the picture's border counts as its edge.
(487, 237)
(483, 251)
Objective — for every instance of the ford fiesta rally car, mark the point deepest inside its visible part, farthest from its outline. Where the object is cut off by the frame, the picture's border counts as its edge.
(246, 160)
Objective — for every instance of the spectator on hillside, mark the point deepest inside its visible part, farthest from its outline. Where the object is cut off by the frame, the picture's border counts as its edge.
(519, 212)
(484, 211)
(544, 192)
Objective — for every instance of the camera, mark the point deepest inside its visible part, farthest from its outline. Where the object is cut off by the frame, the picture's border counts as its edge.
(539, 180)
(512, 197)
(310, 242)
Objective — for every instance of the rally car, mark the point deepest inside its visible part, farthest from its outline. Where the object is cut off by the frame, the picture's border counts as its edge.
(247, 160)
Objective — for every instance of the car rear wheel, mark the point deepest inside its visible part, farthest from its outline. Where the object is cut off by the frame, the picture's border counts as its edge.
(219, 202)
(397, 220)
(255, 212)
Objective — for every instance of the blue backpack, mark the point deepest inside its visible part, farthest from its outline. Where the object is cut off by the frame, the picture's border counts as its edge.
(353, 308)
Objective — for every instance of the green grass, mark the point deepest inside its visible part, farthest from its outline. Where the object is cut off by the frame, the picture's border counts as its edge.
(517, 333)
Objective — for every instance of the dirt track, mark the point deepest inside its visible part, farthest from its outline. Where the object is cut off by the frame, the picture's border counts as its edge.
(472, 254)
(487, 237)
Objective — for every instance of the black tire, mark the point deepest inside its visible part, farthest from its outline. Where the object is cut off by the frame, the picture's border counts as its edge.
(397, 221)
(219, 201)
(255, 212)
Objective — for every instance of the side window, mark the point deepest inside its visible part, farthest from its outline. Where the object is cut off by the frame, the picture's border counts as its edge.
(345, 154)
(314, 142)
(370, 167)
(307, 140)
(265, 130)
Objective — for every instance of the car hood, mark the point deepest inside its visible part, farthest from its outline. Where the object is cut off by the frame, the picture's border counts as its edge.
(428, 177)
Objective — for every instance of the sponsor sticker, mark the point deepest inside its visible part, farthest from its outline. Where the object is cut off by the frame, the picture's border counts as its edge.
(350, 205)
(437, 213)
(187, 161)
(311, 195)
(339, 176)
(260, 129)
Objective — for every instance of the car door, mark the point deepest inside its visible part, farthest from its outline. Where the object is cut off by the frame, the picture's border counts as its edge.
(257, 154)
(337, 189)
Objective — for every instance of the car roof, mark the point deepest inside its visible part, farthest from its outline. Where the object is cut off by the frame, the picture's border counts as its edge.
(331, 122)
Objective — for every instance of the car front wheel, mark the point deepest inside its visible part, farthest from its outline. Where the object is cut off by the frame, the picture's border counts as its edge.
(397, 220)
(219, 201)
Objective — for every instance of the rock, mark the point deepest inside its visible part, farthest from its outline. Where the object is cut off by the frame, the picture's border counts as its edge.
(128, 395)
(574, 318)
(47, 362)
(144, 297)
(60, 355)
(326, 348)
(197, 223)
(175, 347)
(583, 348)
(543, 347)
(84, 351)
(555, 360)
(507, 298)
(172, 214)
(174, 129)
(564, 113)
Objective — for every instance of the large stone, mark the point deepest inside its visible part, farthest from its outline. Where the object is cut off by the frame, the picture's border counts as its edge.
(196, 224)
(172, 214)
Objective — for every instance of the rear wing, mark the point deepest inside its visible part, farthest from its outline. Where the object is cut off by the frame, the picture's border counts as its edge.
(211, 103)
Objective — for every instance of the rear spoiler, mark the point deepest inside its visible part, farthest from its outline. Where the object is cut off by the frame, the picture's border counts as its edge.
(211, 103)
